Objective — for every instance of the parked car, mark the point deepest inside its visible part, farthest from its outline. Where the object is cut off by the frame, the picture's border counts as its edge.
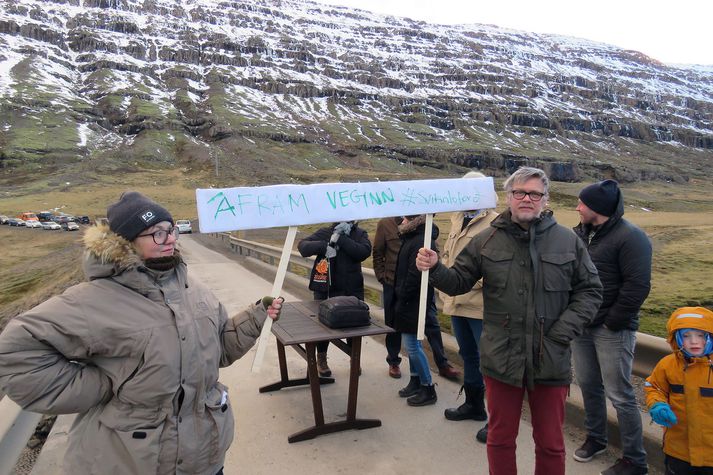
(4, 219)
(184, 226)
(15, 222)
(83, 220)
(70, 226)
(27, 216)
(31, 223)
(60, 219)
(50, 225)
(45, 216)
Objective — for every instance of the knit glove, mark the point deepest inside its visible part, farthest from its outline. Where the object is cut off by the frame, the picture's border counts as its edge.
(335, 237)
(662, 414)
(331, 252)
(343, 228)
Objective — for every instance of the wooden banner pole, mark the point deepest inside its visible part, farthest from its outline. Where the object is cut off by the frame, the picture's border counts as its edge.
(276, 290)
(423, 303)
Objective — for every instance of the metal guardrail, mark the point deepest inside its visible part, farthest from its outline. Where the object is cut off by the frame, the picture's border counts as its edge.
(17, 426)
(649, 349)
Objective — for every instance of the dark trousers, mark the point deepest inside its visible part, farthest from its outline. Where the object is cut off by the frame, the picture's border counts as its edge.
(547, 411)
(676, 466)
(432, 330)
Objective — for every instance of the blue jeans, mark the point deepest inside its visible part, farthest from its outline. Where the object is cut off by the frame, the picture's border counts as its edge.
(432, 331)
(467, 332)
(418, 364)
(602, 364)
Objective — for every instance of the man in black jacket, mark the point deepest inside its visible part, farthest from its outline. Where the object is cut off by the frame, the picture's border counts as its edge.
(604, 353)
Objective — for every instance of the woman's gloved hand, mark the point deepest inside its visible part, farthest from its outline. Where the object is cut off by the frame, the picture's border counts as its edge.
(662, 414)
(273, 306)
(343, 228)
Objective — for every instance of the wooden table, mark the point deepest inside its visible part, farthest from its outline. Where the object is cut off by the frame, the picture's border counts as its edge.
(298, 325)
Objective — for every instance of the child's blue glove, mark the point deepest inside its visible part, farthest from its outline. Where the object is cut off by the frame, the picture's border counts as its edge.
(662, 414)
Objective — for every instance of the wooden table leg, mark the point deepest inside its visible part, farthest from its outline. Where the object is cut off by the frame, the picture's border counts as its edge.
(284, 381)
(314, 383)
(355, 364)
(351, 422)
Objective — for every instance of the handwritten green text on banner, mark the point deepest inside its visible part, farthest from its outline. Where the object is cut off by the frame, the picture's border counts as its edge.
(229, 209)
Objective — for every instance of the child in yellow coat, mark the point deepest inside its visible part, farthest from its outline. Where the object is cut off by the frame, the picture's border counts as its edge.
(679, 393)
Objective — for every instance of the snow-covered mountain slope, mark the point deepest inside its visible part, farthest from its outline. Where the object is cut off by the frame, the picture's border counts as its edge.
(190, 80)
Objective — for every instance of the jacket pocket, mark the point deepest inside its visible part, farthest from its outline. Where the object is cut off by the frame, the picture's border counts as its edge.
(220, 413)
(495, 342)
(133, 441)
(553, 363)
(496, 269)
(557, 269)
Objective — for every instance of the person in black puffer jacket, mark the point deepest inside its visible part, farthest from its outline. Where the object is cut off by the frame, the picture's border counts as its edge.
(339, 250)
(604, 354)
(420, 390)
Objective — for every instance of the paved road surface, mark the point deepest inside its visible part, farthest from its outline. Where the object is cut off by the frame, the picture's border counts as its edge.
(411, 440)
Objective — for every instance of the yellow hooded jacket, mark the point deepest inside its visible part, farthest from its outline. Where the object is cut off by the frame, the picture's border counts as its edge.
(686, 384)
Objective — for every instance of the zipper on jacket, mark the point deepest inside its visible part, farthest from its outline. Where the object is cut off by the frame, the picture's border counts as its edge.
(541, 319)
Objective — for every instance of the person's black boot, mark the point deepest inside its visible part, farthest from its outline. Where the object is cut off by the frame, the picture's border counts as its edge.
(479, 413)
(425, 396)
(482, 435)
(411, 388)
(473, 408)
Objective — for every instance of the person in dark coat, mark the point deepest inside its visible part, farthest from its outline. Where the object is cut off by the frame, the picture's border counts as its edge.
(420, 390)
(604, 353)
(385, 251)
(339, 250)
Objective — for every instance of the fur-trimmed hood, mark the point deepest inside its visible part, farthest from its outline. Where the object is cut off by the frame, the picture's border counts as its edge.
(109, 255)
(417, 224)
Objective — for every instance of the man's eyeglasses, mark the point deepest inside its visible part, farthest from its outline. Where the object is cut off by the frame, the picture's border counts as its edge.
(520, 195)
(161, 236)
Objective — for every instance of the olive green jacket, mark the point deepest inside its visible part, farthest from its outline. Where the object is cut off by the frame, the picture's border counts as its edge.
(540, 289)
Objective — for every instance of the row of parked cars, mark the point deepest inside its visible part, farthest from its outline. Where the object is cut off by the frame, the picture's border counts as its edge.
(60, 222)
(67, 222)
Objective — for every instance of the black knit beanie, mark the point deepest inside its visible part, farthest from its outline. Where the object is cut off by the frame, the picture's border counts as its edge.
(602, 197)
(133, 213)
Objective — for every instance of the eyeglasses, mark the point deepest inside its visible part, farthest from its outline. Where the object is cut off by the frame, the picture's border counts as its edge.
(520, 195)
(161, 236)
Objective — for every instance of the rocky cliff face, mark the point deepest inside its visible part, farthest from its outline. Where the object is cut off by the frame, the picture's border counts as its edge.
(306, 87)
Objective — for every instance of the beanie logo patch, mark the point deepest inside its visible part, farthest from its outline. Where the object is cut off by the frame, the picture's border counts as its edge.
(148, 216)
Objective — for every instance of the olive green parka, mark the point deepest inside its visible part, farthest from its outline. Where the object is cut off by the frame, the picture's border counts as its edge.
(540, 289)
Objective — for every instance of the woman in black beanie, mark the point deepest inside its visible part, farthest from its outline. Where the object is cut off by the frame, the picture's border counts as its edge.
(135, 351)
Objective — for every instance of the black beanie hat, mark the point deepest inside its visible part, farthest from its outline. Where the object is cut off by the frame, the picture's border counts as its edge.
(133, 213)
(602, 197)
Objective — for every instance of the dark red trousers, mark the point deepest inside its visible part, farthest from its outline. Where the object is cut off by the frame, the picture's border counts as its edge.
(547, 409)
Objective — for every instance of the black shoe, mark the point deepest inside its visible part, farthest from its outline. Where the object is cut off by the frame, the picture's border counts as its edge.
(473, 407)
(625, 467)
(589, 449)
(424, 397)
(412, 388)
(482, 435)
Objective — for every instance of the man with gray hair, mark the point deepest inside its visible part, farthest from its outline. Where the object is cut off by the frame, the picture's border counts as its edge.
(540, 289)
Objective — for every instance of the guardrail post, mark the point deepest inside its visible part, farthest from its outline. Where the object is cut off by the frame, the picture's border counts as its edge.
(16, 428)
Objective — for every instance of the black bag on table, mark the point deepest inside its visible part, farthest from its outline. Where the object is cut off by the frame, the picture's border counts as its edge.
(344, 312)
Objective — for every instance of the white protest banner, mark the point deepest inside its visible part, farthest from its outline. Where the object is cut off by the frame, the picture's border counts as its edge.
(230, 209)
